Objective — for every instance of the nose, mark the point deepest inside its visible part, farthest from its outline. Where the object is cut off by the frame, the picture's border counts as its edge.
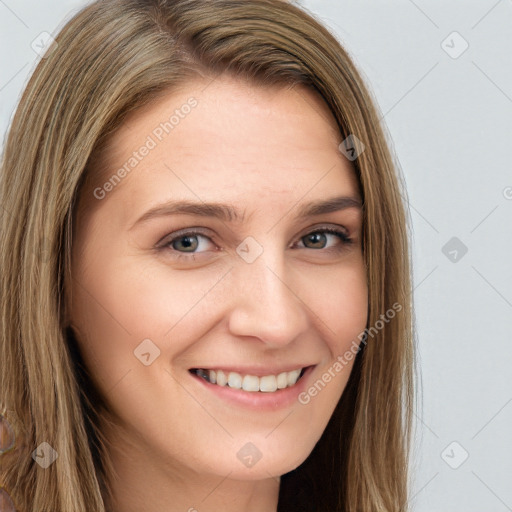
(266, 301)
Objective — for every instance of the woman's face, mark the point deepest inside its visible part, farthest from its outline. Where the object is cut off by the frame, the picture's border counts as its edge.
(252, 292)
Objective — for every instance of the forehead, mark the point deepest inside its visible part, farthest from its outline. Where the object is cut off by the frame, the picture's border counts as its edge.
(226, 110)
(227, 139)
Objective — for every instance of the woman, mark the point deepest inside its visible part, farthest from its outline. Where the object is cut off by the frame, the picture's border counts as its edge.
(247, 368)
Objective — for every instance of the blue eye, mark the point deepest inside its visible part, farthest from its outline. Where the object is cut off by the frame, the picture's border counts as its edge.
(189, 241)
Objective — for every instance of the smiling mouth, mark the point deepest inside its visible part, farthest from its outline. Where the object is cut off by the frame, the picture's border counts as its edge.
(251, 383)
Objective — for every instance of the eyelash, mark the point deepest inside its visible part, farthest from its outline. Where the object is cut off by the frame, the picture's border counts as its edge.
(345, 239)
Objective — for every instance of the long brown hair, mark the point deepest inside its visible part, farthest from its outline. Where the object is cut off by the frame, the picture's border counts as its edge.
(111, 58)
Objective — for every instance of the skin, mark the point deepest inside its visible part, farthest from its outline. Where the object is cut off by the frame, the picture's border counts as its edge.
(267, 151)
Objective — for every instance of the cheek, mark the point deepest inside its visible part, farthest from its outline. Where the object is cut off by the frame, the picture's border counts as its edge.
(119, 303)
(343, 312)
(343, 307)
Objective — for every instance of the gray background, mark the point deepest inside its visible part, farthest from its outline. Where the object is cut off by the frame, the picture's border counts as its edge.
(448, 114)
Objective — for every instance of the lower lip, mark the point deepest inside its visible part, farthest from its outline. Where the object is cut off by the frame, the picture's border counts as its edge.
(260, 400)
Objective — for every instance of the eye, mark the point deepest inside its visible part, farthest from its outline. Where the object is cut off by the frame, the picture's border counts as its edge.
(187, 244)
(320, 235)
(188, 241)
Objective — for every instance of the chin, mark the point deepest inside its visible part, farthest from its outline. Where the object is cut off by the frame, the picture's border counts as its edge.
(254, 463)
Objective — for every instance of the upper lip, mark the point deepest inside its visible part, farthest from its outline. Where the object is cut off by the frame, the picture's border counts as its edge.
(258, 371)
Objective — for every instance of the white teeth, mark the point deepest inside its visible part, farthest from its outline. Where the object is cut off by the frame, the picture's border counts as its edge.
(251, 383)
(292, 377)
(282, 380)
(235, 380)
(268, 383)
(221, 378)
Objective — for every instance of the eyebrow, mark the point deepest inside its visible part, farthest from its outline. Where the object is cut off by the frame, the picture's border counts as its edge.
(229, 213)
